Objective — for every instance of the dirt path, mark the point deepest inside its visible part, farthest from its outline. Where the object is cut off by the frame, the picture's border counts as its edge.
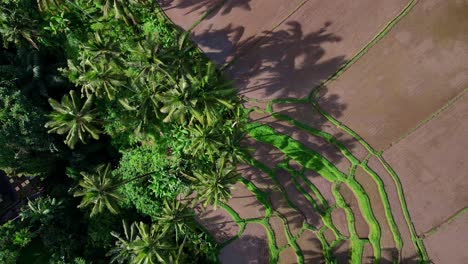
(343, 95)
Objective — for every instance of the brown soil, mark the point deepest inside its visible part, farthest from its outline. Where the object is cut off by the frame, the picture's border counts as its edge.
(448, 244)
(408, 249)
(239, 23)
(312, 44)
(368, 254)
(411, 73)
(278, 228)
(431, 168)
(338, 216)
(245, 203)
(185, 13)
(258, 177)
(312, 217)
(370, 187)
(329, 236)
(362, 228)
(287, 256)
(310, 247)
(342, 252)
(251, 247)
(324, 186)
(267, 154)
(218, 223)
(294, 218)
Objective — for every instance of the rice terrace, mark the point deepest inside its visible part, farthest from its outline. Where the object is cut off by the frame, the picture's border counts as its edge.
(338, 137)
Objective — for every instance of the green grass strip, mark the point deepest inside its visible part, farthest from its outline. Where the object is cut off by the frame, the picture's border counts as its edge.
(260, 195)
(346, 129)
(418, 243)
(366, 48)
(357, 244)
(273, 248)
(265, 169)
(327, 137)
(296, 151)
(366, 210)
(292, 239)
(314, 161)
(237, 219)
(386, 205)
(325, 213)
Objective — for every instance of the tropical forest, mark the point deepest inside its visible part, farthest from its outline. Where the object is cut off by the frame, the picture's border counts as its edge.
(121, 125)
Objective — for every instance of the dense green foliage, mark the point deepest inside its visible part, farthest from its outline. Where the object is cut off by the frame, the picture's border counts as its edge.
(124, 118)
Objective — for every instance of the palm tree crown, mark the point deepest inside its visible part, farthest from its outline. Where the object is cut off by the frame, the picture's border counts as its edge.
(99, 190)
(71, 117)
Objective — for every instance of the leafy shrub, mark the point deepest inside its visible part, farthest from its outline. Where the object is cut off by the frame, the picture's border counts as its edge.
(165, 182)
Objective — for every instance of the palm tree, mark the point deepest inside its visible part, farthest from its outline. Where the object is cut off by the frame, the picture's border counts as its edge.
(100, 190)
(101, 78)
(101, 47)
(42, 209)
(142, 244)
(205, 140)
(213, 186)
(16, 25)
(176, 217)
(77, 120)
(179, 102)
(191, 97)
(122, 252)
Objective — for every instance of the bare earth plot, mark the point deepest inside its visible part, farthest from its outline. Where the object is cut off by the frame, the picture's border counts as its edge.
(357, 132)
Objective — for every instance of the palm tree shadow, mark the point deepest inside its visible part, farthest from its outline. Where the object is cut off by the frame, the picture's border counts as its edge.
(247, 249)
(285, 62)
(217, 7)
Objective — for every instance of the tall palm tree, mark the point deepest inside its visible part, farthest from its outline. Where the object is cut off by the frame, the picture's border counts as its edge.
(98, 78)
(176, 217)
(71, 117)
(100, 190)
(205, 140)
(213, 186)
(142, 244)
(191, 98)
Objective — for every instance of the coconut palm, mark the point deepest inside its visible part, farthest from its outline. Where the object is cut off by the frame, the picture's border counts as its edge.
(16, 25)
(100, 190)
(122, 252)
(71, 117)
(142, 244)
(176, 217)
(100, 47)
(205, 140)
(42, 209)
(100, 78)
(190, 100)
(213, 186)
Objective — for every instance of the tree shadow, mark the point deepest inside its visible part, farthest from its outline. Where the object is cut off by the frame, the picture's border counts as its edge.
(285, 62)
(248, 249)
(217, 7)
